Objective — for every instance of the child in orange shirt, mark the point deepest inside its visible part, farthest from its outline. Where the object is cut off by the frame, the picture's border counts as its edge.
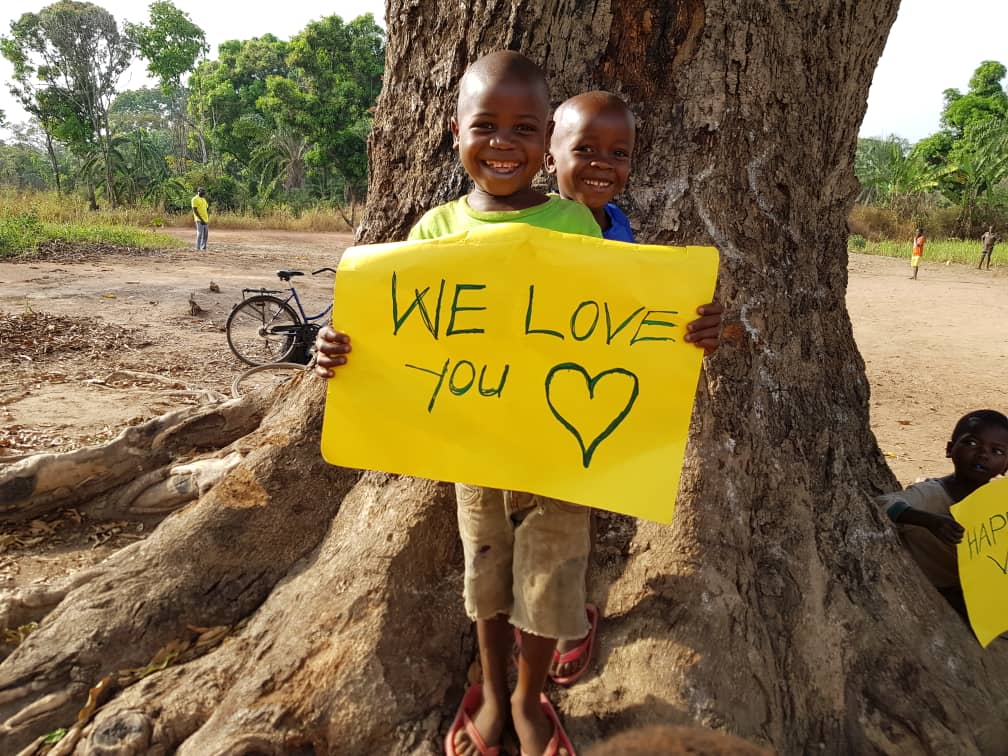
(918, 251)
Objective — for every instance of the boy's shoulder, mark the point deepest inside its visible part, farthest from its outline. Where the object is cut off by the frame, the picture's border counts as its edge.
(555, 213)
(619, 225)
(929, 494)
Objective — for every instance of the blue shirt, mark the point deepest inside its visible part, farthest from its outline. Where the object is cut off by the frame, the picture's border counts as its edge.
(619, 225)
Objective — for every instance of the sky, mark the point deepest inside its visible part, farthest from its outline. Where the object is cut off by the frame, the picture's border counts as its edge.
(932, 46)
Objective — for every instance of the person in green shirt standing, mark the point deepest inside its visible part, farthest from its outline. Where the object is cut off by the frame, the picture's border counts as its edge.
(202, 217)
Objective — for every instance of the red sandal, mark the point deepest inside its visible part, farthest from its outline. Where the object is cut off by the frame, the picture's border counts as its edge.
(583, 650)
(471, 702)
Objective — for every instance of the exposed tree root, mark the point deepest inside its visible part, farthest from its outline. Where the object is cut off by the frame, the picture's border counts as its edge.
(211, 563)
(137, 475)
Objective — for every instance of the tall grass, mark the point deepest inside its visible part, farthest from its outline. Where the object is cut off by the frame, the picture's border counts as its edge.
(965, 251)
(315, 219)
(22, 233)
(50, 207)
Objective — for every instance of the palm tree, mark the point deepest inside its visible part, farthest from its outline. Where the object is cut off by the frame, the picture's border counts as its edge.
(893, 176)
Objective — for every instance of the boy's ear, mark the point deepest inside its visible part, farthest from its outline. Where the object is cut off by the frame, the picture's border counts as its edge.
(549, 163)
(453, 125)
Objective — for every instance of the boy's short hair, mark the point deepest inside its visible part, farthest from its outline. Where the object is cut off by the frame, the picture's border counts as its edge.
(978, 419)
(606, 100)
(501, 65)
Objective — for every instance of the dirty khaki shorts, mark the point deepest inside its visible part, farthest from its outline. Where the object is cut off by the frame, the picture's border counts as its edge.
(525, 557)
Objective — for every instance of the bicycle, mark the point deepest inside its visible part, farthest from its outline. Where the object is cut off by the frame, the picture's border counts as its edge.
(264, 328)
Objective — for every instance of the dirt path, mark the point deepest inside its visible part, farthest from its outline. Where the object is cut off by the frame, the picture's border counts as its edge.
(934, 348)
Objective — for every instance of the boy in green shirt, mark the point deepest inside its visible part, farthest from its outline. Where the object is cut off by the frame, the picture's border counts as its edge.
(525, 554)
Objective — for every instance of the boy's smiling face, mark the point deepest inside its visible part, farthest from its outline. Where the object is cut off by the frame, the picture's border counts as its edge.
(590, 151)
(501, 130)
(980, 454)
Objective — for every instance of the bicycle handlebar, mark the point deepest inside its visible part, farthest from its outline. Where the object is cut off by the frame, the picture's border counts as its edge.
(322, 270)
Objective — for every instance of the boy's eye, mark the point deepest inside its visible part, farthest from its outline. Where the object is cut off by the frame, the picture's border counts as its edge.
(587, 149)
(525, 128)
(623, 154)
(483, 126)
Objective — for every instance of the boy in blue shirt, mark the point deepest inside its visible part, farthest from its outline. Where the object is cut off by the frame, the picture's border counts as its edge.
(525, 555)
(590, 153)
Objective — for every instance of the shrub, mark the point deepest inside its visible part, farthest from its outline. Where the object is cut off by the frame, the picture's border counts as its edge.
(19, 232)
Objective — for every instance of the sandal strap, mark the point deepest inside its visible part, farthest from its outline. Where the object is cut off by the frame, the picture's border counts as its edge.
(477, 739)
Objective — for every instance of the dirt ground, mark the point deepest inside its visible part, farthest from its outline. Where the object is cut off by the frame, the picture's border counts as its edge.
(91, 342)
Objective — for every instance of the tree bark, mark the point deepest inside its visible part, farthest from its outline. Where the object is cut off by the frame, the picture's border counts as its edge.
(779, 605)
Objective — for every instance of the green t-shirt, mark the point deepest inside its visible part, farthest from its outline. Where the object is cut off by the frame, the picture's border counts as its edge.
(556, 214)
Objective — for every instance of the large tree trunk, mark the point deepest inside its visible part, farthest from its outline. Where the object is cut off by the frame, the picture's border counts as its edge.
(315, 609)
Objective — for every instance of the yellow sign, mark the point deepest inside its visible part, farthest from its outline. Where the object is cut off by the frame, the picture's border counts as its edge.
(515, 357)
(983, 558)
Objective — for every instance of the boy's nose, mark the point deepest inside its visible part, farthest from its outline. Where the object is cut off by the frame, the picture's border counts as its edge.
(501, 142)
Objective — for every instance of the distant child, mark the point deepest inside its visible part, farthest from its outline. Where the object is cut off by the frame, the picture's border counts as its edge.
(988, 240)
(918, 250)
(525, 554)
(979, 452)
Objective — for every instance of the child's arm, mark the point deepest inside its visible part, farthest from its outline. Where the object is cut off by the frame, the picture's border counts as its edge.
(944, 528)
(705, 332)
(330, 347)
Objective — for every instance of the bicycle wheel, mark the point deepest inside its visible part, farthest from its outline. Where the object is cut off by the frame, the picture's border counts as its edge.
(262, 329)
(264, 377)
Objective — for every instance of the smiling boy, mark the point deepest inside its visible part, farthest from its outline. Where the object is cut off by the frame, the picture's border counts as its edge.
(525, 554)
(590, 153)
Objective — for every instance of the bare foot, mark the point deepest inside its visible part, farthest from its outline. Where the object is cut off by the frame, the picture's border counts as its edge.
(534, 729)
(489, 722)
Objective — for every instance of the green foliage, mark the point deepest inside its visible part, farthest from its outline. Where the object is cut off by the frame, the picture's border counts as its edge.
(171, 44)
(965, 165)
(19, 233)
(225, 92)
(894, 176)
(985, 99)
(67, 59)
(24, 166)
(223, 192)
(857, 242)
(145, 108)
(335, 79)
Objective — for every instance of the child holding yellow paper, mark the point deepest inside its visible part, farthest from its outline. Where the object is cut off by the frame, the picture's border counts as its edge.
(525, 554)
(979, 451)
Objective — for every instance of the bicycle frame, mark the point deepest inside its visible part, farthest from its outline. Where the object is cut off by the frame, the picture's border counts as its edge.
(291, 294)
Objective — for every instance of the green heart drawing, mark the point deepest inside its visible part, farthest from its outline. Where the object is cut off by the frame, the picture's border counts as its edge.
(589, 450)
